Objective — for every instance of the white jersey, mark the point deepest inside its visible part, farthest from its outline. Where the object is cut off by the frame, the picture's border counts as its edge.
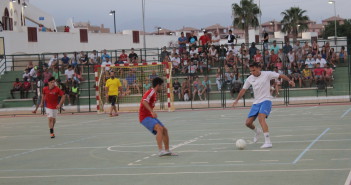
(261, 85)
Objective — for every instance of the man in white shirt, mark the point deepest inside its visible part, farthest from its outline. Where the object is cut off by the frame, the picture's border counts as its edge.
(94, 57)
(215, 39)
(321, 61)
(69, 73)
(106, 62)
(175, 62)
(310, 62)
(262, 105)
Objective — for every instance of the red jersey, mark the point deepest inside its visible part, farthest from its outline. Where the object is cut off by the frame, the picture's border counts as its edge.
(318, 71)
(51, 96)
(26, 85)
(204, 39)
(151, 97)
(17, 85)
(123, 57)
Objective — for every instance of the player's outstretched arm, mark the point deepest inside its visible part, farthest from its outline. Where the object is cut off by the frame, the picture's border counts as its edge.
(147, 106)
(240, 95)
(292, 83)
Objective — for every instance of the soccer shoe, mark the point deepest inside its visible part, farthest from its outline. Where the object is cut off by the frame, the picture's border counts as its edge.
(257, 135)
(52, 136)
(267, 145)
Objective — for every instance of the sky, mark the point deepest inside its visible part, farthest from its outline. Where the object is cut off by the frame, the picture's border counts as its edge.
(175, 14)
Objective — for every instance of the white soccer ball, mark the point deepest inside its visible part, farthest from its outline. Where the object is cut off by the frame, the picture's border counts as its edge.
(240, 144)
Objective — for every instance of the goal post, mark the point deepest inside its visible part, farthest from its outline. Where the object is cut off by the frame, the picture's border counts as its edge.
(135, 79)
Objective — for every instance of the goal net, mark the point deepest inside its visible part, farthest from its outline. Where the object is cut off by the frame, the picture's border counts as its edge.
(136, 79)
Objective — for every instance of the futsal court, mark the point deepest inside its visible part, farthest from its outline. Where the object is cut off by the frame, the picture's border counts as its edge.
(311, 145)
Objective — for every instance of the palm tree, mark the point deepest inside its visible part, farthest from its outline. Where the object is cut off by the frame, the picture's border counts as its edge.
(245, 16)
(294, 21)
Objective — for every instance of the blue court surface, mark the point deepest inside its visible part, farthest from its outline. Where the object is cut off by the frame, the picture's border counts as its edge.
(311, 145)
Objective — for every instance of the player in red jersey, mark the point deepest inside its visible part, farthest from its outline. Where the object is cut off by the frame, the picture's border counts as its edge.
(51, 95)
(148, 117)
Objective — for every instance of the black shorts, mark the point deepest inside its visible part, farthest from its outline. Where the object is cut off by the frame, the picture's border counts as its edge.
(112, 100)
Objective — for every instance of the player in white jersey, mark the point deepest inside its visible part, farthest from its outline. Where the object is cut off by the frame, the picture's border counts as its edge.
(260, 81)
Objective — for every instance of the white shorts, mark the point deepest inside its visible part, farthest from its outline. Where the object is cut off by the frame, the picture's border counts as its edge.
(51, 113)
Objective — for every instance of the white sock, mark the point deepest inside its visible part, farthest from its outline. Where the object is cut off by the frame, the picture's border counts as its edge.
(266, 137)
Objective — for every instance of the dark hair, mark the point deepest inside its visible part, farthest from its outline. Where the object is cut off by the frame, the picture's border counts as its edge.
(51, 79)
(157, 81)
(255, 64)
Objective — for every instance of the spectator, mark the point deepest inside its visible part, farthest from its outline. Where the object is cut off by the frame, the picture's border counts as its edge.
(279, 64)
(287, 48)
(230, 38)
(206, 84)
(310, 62)
(69, 73)
(146, 84)
(186, 93)
(252, 50)
(133, 57)
(105, 55)
(55, 74)
(296, 75)
(306, 50)
(66, 88)
(297, 46)
(275, 47)
(203, 63)
(193, 51)
(324, 52)
(307, 76)
(177, 88)
(216, 39)
(222, 53)
(153, 75)
(30, 65)
(53, 62)
(65, 62)
(266, 59)
(26, 74)
(265, 40)
(123, 57)
(342, 55)
(230, 60)
(66, 29)
(26, 87)
(125, 88)
(74, 94)
(38, 94)
(182, 43)
(75, 59)
(197, 86)
(318, 74)
(315, 48)
(204, 40)
(232, 48)
(258, 57)
(236, 85)
(17, 86)
(107, 62)
(174, 51)
(132, 82)
(192, 40)
(33, 74)
(192, 68)
(328, 75)
(185, 63)
(299, 58)
(164, 53)
(47, 75)
(94, 58)
(175, 63)
(77, 76)
(83, 60)
(322, 62)
(332, 57)
(272, 60)
(213, 55)
(219, 79)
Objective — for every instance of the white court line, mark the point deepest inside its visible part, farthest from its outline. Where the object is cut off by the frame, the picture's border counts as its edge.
(340, 159)
(309, 146)
(346, 112)
(199, 163)
(172, 173)
(348, 180)
(269, 160)
(234, 161)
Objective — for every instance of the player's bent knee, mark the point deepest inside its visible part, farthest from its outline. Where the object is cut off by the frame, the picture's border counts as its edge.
(159, 128)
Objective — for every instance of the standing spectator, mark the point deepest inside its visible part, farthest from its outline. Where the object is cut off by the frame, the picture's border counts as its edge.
(17, 86)
(65, 62)
(33, 74)
(219, 79)
(265, 40)
(182, 43)
(252, 50)
(315, 48)
(112, 87)
(204, 40)
(216, 39)
(287, 48)
(164, 53)
(94, 58)
(177, 88)
(38, 94)
(275, 47)
(51, 95)
(133, 57)
(186, 93)
(230, 37)
(192, 40)
(53, 62)
(26, 87)
(74, 94)
(105, 55)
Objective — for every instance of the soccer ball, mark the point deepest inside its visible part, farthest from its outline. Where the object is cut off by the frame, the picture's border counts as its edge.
(240, 144)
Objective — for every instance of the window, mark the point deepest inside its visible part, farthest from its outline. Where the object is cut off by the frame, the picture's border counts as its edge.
(136, 37)
(32, 34)
(83, 35)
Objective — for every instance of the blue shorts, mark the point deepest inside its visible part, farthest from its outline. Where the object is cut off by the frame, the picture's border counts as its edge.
(149, 123)
(260, 108)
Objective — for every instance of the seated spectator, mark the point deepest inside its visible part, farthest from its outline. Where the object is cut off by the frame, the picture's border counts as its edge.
(177, 88)
(132, 82)
(272, 60)
(105, 55)
(342, 55)
(74, 93)
(17, 86)
(299, 58)
(77, 76)
(153, 75)
(235, 85)
(30, 66)
(65, 62)
(133, 57)
(83, 60)
(75, 59)
(107, 62)
(175, 63)
(232, 48)
(230, 60)
(332, 58)
(26, 74)
(252, 50)
(164, 53)
(146, 84)
(219, 79)
(55, 73)
(296, 75)
(322, 62)
(185, 63)
(222, 53)
(258, 57)
(328, 74)
(307, 76)
(123, 57)
(318, 73)
(125, 88)
(266, 59)
(203, 63)
(33, 74)
(53, 62)
(94, 58)
(26, 87)
(69, 73)
(279, 64)
(213, 57)
(197, 86)
(310, 62)
(46, 75)
(206, 84)
(66, 88)
(192, 68)
(193, 51)
(119, 61)
(186, 92)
